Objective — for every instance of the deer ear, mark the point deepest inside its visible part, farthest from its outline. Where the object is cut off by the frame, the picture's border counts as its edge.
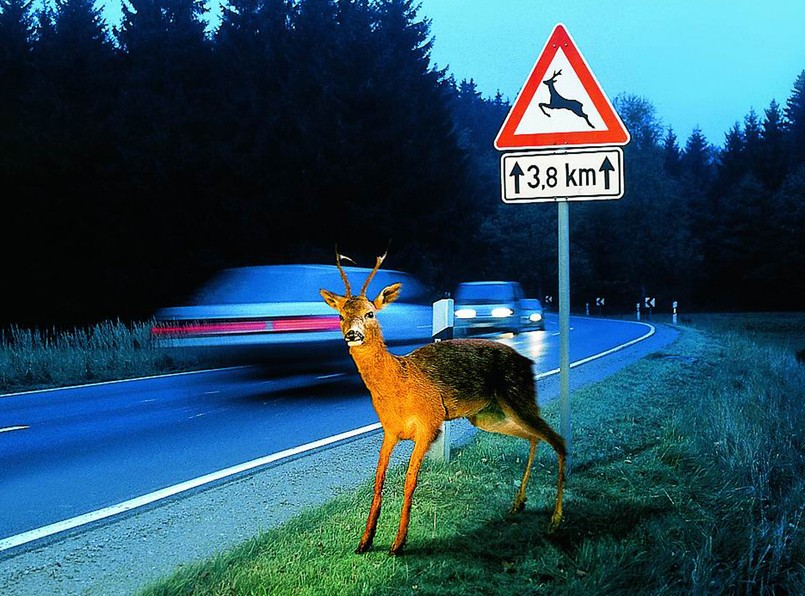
(334, 300)
(387, 295)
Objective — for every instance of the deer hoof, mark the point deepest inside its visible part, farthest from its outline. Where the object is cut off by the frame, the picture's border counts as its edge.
(517, 507)
(397, 548)
(554, 525)
(362, 548)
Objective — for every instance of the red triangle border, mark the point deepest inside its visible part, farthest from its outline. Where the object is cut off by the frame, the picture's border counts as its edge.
(615, 132)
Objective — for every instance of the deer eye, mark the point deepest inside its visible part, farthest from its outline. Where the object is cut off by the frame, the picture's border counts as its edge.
(340, 317)
(370, 315)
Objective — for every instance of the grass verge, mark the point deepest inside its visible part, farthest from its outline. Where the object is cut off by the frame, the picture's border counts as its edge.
(108, 351)
(688, 477)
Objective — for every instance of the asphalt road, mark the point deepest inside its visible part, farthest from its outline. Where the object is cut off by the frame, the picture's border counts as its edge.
(68, 452)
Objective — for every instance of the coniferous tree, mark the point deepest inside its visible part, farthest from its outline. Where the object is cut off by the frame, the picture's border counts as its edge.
(16, 37)
(795, 115)
(774, 154)
(672, 154)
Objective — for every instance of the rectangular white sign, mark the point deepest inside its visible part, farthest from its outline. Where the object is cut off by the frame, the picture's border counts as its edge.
(572, 174)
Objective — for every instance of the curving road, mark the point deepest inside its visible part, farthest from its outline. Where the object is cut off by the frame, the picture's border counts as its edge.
(67, 452)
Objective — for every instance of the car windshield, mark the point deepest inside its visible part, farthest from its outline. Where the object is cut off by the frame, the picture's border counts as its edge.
(297, 284)
(481, 293)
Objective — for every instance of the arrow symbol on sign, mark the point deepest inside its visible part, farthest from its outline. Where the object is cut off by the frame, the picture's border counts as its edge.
(517, 171)
(606, 167)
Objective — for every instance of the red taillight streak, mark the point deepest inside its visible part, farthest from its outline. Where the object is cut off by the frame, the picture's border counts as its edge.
(306, 324)
(289, 325)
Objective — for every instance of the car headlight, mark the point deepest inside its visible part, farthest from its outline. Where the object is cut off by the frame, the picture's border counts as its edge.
(535, 317)
(465, 313)
(502, 312)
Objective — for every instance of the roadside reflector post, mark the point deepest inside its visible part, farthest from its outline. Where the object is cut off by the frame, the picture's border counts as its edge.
(674, 318)
(638, 310)
(442, 329)
(564, 328)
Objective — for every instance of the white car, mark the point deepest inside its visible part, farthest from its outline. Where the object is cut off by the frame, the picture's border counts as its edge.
(531, 315)
(487, 308)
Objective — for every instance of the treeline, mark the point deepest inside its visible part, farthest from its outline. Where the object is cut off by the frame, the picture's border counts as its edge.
(137, 160)
(710, 227)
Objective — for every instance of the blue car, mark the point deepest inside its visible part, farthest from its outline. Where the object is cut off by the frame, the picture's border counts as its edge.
(275, 316)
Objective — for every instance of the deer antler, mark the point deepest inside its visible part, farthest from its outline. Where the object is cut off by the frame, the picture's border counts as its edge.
(372, 274)
(556, 73)
(338, 258)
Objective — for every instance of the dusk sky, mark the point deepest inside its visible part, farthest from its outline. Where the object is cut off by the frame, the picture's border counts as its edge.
(702, 63)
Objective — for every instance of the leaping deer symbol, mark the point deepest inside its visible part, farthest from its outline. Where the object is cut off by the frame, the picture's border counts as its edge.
(557, 102)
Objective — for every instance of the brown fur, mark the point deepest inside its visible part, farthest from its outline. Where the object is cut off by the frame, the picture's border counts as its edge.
(486, 382)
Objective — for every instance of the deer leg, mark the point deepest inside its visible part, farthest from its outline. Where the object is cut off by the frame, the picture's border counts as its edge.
(420, 449)
(526, 415)
(520, 498)
(494, 419)
(389, 442)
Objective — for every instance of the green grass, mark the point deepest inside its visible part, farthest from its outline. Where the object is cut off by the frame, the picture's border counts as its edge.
(688, 477)
(37, 359)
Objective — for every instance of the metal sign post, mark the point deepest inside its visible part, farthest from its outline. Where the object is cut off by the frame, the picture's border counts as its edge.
(564, 327)
(573, 134)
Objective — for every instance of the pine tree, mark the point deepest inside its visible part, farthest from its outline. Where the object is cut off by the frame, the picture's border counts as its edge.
(774, 152)
(672, 155)
(731, 161)
(16, 36)
(795, 116)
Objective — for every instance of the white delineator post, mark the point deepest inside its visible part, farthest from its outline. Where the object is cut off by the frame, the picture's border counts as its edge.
(442, 329)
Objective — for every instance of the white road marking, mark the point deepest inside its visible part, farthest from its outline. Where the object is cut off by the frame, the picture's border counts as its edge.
(9, 429)
(93, 516)
(117, 382)
(652, 330)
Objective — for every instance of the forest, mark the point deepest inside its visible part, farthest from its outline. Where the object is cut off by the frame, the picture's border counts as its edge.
(137, 159)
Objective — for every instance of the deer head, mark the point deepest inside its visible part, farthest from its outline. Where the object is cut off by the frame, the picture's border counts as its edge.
(550, 81)
(357, 313)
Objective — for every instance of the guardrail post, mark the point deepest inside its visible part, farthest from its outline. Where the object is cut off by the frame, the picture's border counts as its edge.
(442, 329)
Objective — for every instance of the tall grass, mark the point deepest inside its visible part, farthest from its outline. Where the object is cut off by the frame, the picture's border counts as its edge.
(748, 423)
(39, 358)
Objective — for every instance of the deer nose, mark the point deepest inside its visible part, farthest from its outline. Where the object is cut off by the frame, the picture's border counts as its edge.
(353, 336)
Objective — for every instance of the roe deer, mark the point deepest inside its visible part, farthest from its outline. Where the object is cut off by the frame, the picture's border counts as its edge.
(557, 102)
(484, 381)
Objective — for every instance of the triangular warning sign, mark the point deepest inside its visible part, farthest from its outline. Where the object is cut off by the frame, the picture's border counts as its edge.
(561, 103)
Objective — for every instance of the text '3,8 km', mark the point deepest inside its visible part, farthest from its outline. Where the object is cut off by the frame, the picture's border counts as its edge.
(584, 174)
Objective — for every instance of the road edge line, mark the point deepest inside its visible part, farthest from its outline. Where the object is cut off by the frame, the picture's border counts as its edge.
(158, 495)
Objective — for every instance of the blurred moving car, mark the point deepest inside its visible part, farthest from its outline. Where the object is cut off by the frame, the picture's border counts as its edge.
(531, 315)
(487, 307)
(275, 315)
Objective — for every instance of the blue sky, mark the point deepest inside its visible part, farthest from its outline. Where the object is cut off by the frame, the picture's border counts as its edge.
(701, 63)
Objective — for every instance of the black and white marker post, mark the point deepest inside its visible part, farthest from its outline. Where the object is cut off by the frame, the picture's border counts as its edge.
(442, 329)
